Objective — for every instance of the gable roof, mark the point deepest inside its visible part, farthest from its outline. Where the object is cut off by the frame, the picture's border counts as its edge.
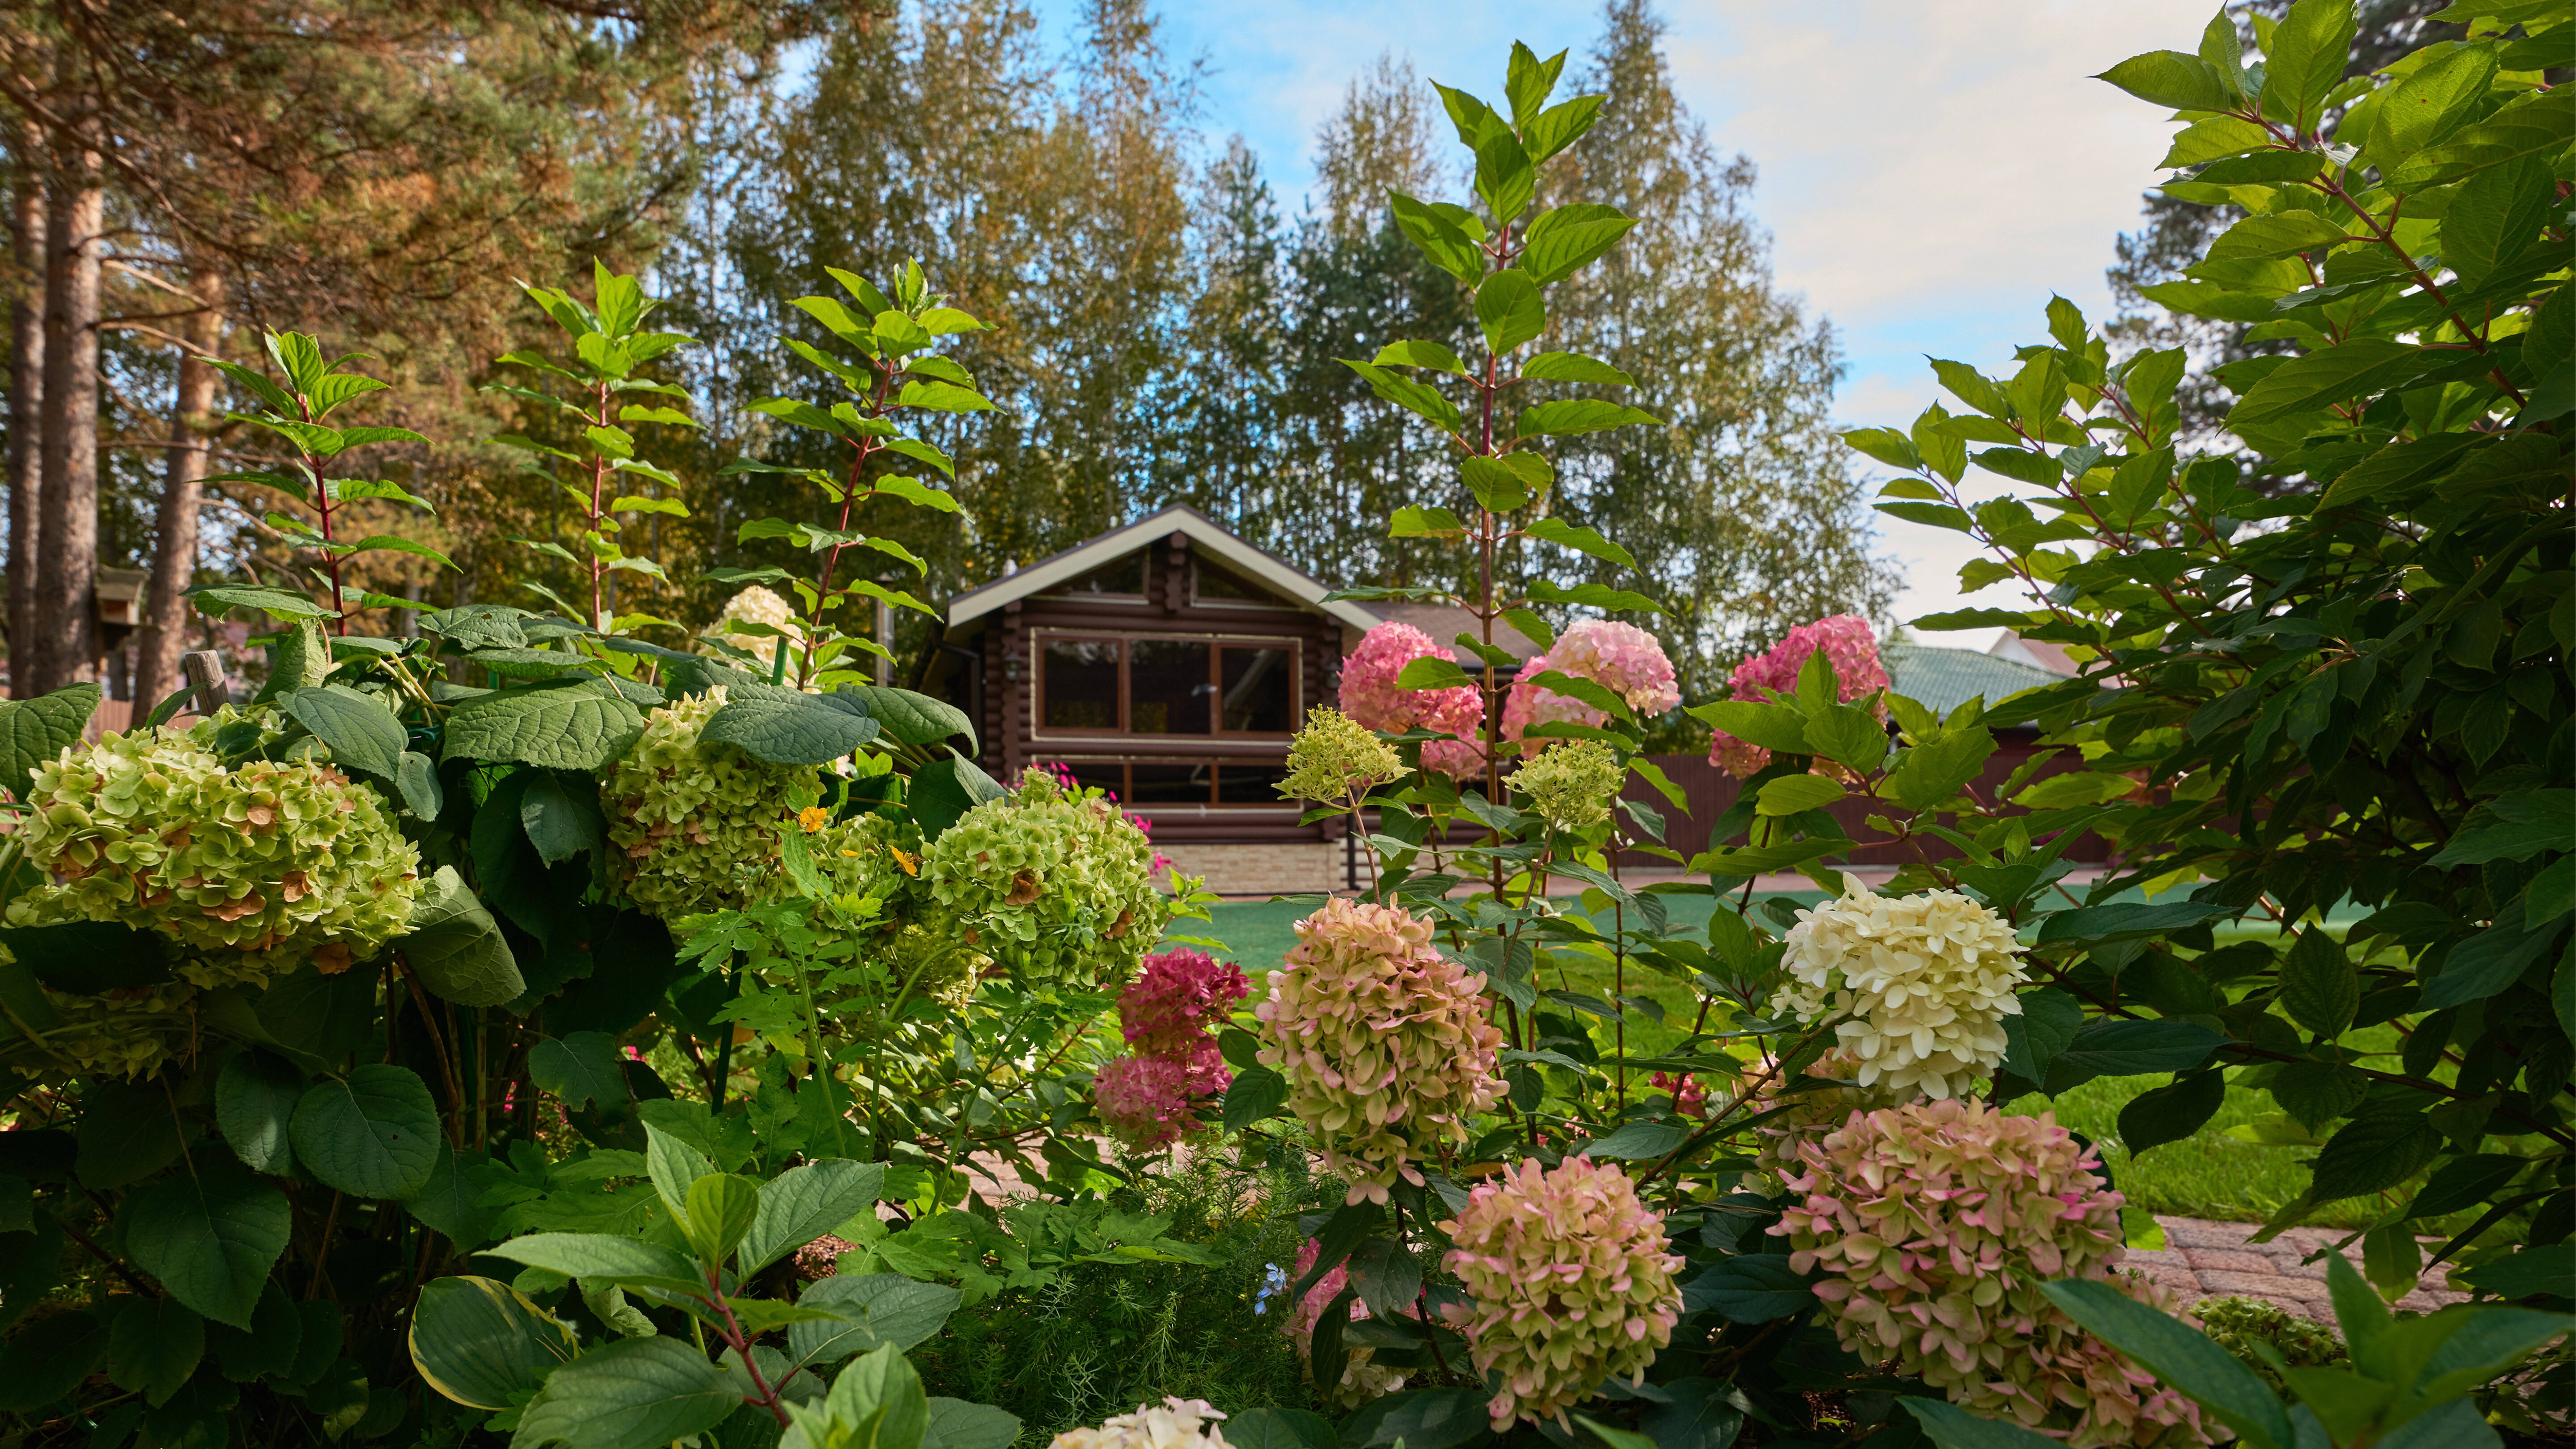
(1943, 679)
(1253, 563)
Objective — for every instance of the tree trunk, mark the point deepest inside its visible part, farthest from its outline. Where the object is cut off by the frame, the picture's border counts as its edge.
(26, 403)
(67, 567)
(164, 635)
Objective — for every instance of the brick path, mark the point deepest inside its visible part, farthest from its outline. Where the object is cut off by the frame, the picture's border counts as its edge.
(2202, 1259)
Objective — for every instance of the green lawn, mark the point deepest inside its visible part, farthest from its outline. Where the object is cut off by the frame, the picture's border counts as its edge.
(2211, 1175)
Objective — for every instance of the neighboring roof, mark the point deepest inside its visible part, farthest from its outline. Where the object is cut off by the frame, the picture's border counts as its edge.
(1252, 563)
(1943, 679)
(1445, 622)
(2038, 652)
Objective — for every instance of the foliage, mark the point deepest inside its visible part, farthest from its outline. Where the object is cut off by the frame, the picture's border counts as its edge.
(2247, 1327)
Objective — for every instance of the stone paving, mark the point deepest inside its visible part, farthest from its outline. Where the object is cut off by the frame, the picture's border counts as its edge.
(2203, 1259)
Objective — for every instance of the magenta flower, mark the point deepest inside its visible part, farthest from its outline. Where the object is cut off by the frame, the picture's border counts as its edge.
(1849, 646)
(1369, 697)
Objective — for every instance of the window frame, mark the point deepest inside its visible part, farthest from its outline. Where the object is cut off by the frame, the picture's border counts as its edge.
(1215, 644)
(1122, 770)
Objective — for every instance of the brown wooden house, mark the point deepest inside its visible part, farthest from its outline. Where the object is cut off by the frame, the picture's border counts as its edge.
(1167, 662)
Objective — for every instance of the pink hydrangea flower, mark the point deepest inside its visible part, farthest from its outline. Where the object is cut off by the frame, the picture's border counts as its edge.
(1936, 1223)
(1369, 696)
(1572, 1279)
(1176, 997)
(1849, 645)
(1145, 1101)
(1621, 658)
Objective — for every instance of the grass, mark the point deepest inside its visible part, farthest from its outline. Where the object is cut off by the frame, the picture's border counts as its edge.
(2209, 1175)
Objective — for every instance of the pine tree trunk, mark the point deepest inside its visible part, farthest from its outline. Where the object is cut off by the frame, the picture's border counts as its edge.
(67, 566)
(26, 403)
(164, 635)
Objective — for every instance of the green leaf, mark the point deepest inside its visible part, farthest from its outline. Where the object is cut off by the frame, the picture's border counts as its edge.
(2319, 987)
(1257, 1094)
(1411, 522)
(255, 1097)
(1497, 486)
(1637, 1141)
(455, 947)
(1850, 735)
(35, 731)
(2183, 1358)
(561, 821)
(2316, 1093)
(482, 1343)
(2128, 921)
(2137, 1048)
(448, 1204)
(878, 1310)
(2172, 1113)
(211, 1235)
(2538, 126)
(1509, 311)
(1572, 367)
(38, 1368)
(1751, 1288)
(1951, 1427)
(943, 790)
(790, 727)
(2171, 78)
(582, 725)
(636, 1393)
(1582, 540)
(1431, 671)
(1275, 1428)
(87, 958)
(1438, 238)
(1934, 771)
(1419, 354)
(603, 1258)
(1568, 416)
(579, 1068)
(2044, 1028)
(2285, 234)
(2372, 1152)
(1792, 794)
(127, 1133)
(216, 599)
(1594, 596)
(153, 1345)
(2317, 380)
(957, 1424)
(915, 719)
(361, 732)
(721, 1209)
(1417, 398)
(372, 1135)
(1419, 1419)
(803, 1204)
(915, 492)
(2514, 839)
(2421, 108)
(1560, 126)
(945, 397)
(1564, 240)
(1772, 726)
(2304, 59)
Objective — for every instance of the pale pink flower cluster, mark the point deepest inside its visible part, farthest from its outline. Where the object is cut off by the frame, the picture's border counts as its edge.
(1916, 986)
(1849, 645)
(1572, 1279)
(1385, 1042)
(1936, 1223)
(1175, 1423)
(1362, 1379)
(1621, 658)
(1150, 1100)
(1370, 697)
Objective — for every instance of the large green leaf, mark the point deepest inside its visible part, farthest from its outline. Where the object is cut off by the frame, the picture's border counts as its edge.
(88, 958)
(577, 725)
(2372, 1152)
(2137, 1048)
(374, 1134)
(638, 1393)
(1509, 310)
(211, 1235)
(2172, 78)
(255, 1097)
(2128, 921)
(1951, 1427)
(877, 1310)
(602, 1258)
(449, 1203)
(33, 731)
(2319, 988)
(38, 1368)
(958, 1424)
(1572, 415)
(791, 727)
(456, 948)
(915, 719)
(153, 1345)
(2182, 1357)
(2318, 380)
(2173, 1112)
(580, 1068)
(362, 733)
(482, 1343)
(1772, 726)
(803, 1204)
(562, 819)
(943, 790)
(1937, 769)
(127, 1133)
(1420, 1419)
(1751, 1288)
(1564, 240)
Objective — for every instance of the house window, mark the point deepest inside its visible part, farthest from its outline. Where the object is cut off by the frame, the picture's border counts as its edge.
(1216, 586)
(1167, 686)
(1118, 579)
(1144, 784)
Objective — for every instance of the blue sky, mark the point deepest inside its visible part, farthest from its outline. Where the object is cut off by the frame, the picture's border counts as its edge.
(1931, 169)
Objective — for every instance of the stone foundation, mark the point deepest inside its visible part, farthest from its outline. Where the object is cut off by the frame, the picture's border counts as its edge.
(1261, 870)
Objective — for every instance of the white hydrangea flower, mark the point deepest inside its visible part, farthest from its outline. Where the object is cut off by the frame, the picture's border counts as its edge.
(1916, 987)
(1172, 1424)
(757, 605)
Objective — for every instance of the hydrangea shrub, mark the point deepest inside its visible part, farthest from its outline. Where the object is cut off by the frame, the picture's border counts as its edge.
(696, 820)
(1384, 1042)
(254, 868)
(1935, 1224)
(1054, 882)
(1370, 697)
(1621, 658)
(1850, 646)
(1915, 986)
(1572, 1282)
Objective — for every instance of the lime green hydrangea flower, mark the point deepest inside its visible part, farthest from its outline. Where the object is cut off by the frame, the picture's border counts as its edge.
(696, 820)
(1335, 760)
(1058, 885)
(1572, 785)
(255, 868)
